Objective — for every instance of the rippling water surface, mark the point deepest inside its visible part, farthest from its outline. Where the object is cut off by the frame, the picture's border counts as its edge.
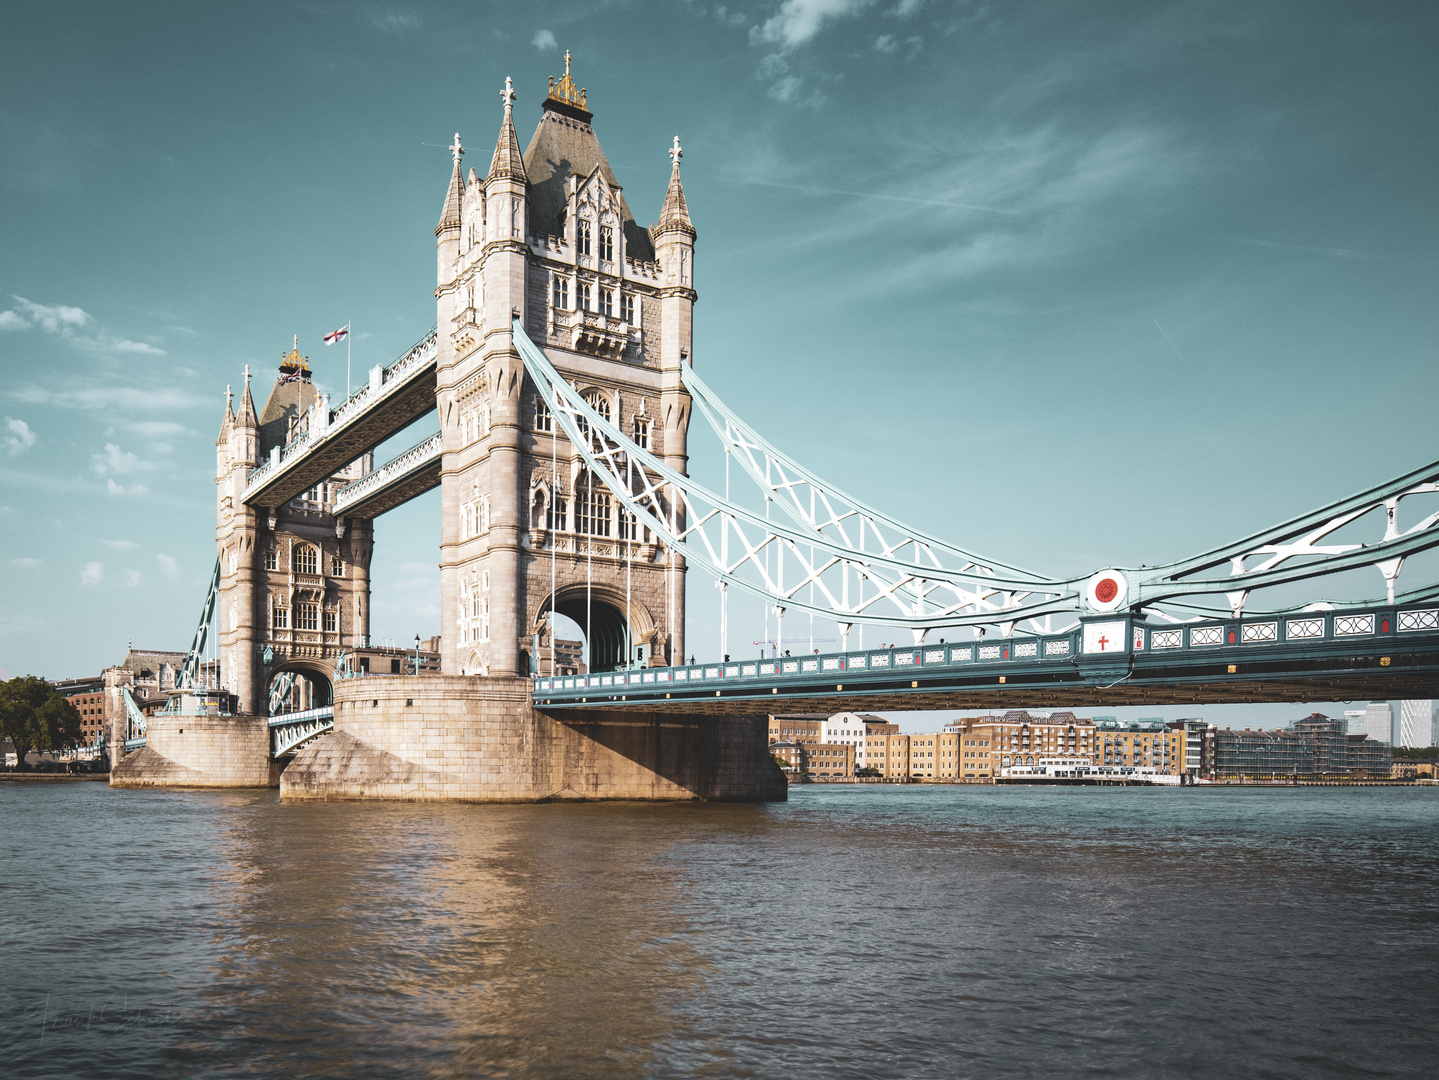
(851, 932)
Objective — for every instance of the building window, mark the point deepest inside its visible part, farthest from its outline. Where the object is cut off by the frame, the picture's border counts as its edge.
(484, 581)
(582, 237)
(557, 513)
(593, 509)
(599, 403)
(629, 527)
(607, 243)
(543, 420)
(337, 566)
(582, 296)
(272, 560)
(627, 305)
(305, 560)
(607, 301)
(332, 620)
(560, 295)
(485, 619)
(642, 432)
(280, 617)
(307, 617)
(484, 521)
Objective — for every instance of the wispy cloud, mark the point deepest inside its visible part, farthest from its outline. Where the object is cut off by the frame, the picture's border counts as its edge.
(18, 437)
(544, 41)
(114, 460)
(119, 545)
(25, 563)
(797, 21)
(92, 573)
(132, 579)
(73, 325)
(168, 566)
(394, 22)
(125, 489)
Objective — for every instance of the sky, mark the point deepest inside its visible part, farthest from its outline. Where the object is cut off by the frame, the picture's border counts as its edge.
(1071, 285)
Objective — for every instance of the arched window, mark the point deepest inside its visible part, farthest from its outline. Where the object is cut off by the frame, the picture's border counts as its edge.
(592, 507)
(306, 560)
(607, 243)
(582, 237)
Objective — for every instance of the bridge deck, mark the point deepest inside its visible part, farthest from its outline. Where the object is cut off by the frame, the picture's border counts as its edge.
(408, 475)
(396, 397)
(1321, 656)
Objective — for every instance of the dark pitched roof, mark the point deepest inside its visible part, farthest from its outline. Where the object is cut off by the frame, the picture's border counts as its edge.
(564, 146)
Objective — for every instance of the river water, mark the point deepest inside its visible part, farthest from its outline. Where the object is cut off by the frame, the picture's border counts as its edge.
(851, 932)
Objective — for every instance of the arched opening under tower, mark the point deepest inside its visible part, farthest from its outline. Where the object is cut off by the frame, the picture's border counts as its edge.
(295, 688)
(616, 631)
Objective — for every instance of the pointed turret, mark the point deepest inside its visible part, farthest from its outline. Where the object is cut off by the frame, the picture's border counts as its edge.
(508, 163)
(675, 215)
(450, 214)
(246, 417)
(228, 423)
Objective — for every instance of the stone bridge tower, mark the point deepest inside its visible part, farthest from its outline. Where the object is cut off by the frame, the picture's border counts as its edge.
(295, 582)
(547, 236)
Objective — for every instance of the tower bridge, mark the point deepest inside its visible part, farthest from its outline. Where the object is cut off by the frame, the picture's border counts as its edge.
(561, 375)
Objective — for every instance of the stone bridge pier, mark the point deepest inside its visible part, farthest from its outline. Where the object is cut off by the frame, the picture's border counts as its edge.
(477, 739)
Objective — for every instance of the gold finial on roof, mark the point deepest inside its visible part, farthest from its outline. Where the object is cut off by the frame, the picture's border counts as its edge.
(565, 91)
(295, 363)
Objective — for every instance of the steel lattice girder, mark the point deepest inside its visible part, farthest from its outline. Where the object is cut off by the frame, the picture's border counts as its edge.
(971, 594)
(923, 593)
(191, 669)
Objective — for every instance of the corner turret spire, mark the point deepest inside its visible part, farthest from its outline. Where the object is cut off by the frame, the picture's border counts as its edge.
(675, 215)
(508, 162)
(450, 214)
(246, 416)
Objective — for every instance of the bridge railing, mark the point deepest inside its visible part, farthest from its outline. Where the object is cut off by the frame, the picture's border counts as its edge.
(383, 383)
(418, 454)
(1329, 631)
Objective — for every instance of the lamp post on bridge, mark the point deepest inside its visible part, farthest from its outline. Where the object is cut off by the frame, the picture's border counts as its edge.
(417, 654)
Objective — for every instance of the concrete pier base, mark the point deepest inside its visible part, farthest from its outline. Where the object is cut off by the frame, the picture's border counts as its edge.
(200, 751)
(474, 739)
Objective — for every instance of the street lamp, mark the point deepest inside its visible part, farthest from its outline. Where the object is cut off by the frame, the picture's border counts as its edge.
(417, 654)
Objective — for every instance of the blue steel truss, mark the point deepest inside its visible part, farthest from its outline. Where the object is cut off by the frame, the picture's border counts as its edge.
(859, 565)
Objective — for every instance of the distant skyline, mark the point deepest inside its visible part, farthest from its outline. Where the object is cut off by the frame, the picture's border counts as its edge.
(1071, 286)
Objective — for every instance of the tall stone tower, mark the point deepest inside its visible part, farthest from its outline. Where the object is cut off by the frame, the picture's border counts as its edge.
(294, 583)
(547, 236)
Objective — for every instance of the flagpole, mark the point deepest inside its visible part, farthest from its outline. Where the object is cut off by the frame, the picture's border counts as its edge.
(347, 359)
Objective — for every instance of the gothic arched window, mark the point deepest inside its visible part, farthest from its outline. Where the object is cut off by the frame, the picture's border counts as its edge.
(582, 237)
(607, 243)
(305, 559)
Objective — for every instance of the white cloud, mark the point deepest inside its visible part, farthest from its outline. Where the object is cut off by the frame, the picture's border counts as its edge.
(115, 460)
(168, 566)
(118, 545)
(26, 564)
(797, 21)
(905, 8)
(157, 429)
(394, 22)
(93, 573)
(66, 321)
(544, 41)
(132, 578)
(885, 43)
(20, 437)
(125, 489)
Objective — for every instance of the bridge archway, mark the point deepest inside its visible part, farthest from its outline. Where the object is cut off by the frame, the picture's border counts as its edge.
(600, 612)
(310, 686)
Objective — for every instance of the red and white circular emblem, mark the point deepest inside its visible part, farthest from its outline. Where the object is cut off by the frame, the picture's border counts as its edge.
(1106, 590)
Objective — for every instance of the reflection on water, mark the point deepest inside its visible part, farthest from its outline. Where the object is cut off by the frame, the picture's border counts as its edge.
(849, 932)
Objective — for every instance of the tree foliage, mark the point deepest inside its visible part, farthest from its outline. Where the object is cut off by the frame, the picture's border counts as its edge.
(36, 716)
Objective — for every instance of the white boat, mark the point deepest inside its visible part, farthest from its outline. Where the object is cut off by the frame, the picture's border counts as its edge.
(1078, 768)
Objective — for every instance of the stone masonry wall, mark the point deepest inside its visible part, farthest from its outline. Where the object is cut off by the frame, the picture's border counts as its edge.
(200, 751)
(478, 739)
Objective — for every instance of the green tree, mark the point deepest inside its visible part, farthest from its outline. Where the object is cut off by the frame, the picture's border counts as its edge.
(35, 716)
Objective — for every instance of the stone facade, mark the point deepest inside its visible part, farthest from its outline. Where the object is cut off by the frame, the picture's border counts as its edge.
(547, 237)
(464, 738)
(295, 582)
